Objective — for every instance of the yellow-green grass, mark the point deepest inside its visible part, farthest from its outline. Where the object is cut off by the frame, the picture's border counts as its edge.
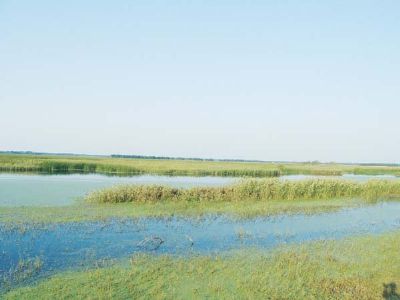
(247, 199)
(26, 216)
(357, 268)
(256, 189)
(96, 164)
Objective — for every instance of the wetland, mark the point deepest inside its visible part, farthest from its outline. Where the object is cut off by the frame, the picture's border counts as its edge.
(58, 225)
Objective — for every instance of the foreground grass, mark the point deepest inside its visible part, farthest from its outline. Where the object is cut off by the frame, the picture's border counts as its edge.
(250, 190)
(55, 164)
(358, 268)
(77, 213)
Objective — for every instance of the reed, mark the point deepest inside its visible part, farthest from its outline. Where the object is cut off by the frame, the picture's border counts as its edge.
(106, 165)
(255, 189)
(126, 166)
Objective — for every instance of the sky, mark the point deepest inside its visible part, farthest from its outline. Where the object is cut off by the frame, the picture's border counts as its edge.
(270, 80)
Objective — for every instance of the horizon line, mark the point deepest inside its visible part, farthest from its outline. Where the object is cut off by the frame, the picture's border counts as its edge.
(157, 157)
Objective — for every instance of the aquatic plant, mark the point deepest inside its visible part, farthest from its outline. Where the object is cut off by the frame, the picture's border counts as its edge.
(116, 165)
(17, 218)
(357, 268)
(107, 165)
(24, 270)
(256, 189)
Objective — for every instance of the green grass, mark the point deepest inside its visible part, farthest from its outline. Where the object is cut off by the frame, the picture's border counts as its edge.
(257, 189)
(357, 268)
(60, 163)
(28, 216)
(250, 198)
(24, 270)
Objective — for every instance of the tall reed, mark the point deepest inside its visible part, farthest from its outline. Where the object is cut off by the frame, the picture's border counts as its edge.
(90, 164)
(256, 189)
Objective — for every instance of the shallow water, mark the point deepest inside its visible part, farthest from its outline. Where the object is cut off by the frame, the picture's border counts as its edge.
(63, 246)
(59, 190)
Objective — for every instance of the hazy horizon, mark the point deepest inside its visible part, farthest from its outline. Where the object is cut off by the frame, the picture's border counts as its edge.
(273, 81)
(146, 156)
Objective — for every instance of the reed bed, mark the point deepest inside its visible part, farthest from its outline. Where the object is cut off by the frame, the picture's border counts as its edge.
(106, 165)
(97, 164)
(256, 189)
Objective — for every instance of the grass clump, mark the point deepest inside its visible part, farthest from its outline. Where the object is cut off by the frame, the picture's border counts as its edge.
(358, 268)
(259, 190)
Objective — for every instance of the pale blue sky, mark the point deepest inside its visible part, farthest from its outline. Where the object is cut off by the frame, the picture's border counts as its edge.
(273, 80)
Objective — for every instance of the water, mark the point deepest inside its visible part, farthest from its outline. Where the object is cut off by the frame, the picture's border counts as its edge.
(63, 246)
(59, 190)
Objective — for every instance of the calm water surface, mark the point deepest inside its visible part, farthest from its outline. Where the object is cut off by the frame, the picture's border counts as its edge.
(59, 190)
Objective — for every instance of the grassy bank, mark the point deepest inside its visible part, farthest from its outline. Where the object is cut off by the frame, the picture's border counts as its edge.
(60, 164)
(250, 190)
(358, 268)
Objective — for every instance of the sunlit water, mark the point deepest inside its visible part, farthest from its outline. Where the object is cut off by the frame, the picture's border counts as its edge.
(68, 246)
(63, 246)
(59, 190)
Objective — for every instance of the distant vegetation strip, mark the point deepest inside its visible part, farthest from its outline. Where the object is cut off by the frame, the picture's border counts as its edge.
(250, 190)
(183, 158)
(137, 156)
(48, 164)
(125, 166)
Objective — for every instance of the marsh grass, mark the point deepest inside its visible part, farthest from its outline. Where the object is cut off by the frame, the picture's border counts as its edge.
(250, 190)
(106, 165)
(22, 218)
(23, 271)
(357, 268)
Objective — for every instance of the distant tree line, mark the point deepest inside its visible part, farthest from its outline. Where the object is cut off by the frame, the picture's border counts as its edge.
(180, 158)
(371, 164)
(44, 153)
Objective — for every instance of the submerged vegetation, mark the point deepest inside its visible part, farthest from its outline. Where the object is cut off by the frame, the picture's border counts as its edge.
(250, 190)
(26, 217)
(357, 268)
(25, 269)
(106, 164)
